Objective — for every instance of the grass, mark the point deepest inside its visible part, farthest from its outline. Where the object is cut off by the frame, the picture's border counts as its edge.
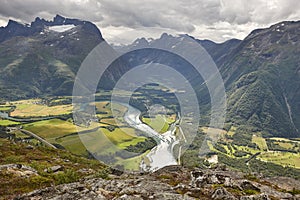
(247, 149)
(51, 129)
(231, 131)
(260, 142)
(123, 135)
(282, 158)
(110, 108)
(73, 144)
(211, 130)
(39, 158)
(111, 121)
(21, 135)
(111, 113)
(37, 110)
(159, 123)
(101, 141)
(133, 142)
(5, 108)
(133, 163)
(285, 145)
(284, 139)
(5, 122)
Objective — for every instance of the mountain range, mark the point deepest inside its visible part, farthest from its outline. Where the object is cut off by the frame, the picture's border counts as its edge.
(261, 73)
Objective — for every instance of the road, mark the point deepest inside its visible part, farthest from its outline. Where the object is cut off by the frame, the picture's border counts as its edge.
(38, 138)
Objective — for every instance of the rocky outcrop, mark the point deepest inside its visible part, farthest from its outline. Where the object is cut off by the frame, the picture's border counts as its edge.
(171, 182)
(18, 170)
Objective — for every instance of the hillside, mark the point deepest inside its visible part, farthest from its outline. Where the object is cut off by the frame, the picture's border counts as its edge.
(42, 58)
(263, 81)
(25, 168)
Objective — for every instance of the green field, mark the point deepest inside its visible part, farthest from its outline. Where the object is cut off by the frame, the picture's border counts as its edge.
(282, 158)
(231, 131)
(51, 129)
(5, 122)
(133, 163)
(104, 142)
(37, 110)
(260, 142)
(159, 123)
(5, 108)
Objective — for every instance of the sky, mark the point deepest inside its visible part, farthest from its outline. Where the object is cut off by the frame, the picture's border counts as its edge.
(122, 21)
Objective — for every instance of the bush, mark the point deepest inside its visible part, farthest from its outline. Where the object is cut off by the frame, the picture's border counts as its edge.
(66, 177)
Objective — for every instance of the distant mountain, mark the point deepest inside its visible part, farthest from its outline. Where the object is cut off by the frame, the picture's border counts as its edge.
(42, 58)
(14, 28)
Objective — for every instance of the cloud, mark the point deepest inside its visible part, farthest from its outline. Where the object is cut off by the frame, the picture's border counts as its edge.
(27, 10)
(124, 20)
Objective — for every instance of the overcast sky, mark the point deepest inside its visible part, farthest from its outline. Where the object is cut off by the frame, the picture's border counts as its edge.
(121, 21)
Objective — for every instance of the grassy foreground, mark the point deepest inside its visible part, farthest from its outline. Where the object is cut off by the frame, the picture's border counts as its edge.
(12, 182)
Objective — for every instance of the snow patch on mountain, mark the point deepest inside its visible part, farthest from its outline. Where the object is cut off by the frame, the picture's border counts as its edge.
(61, 28)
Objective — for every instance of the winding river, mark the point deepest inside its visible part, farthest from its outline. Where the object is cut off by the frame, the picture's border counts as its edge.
(5, 115)
(162, 154)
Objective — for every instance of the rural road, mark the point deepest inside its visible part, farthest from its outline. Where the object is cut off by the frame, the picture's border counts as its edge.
(38, 138)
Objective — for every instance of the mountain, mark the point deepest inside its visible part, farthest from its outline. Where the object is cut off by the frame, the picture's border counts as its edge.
(263, 80)
(42, 58)
(260, 73)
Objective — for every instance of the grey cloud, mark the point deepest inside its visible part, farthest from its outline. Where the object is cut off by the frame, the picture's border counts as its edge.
(212, 19)
(27, 10)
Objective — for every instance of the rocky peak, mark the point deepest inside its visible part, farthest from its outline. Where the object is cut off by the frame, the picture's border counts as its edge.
(277, 31)
(17, 29)
(13, 24)
(59, 19)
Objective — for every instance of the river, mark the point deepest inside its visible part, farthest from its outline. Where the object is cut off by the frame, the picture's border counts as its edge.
(5, 115)
(162, 154)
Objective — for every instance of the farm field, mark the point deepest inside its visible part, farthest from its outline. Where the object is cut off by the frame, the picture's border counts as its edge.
(5, 122)
(37, 110)
(101, 142)
(287, 155)
(282, 158)
(5, 108)
(51, 129)
(160, 123)
(260, 142)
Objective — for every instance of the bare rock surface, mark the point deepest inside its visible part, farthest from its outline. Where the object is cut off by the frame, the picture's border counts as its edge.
(171, 183)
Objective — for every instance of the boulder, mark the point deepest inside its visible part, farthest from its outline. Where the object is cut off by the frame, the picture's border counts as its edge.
(222, 194)
(54, 169)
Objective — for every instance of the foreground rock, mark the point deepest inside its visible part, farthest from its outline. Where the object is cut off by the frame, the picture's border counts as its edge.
(172, 183)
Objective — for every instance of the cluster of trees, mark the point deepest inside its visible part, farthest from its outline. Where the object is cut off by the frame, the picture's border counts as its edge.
(274, 146)
(142, 147)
